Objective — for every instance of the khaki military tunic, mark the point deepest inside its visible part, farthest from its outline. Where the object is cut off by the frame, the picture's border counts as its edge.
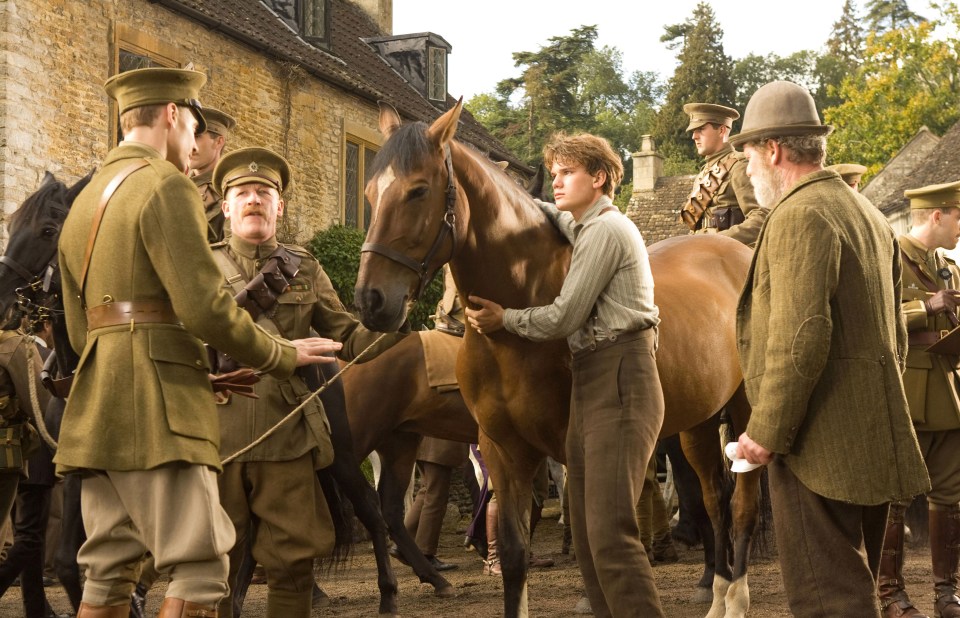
(735, 191)
(141, 396)
(310, 302)
(217, 229)
(930, 379)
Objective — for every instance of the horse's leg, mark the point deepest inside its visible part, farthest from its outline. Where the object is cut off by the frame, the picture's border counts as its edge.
(746, 511)
(398, 456)
(511, 474)
(690, 496)
(701, 445)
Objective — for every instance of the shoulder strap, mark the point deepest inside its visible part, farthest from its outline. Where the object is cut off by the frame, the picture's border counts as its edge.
(98, 218)
(922, 276)
(234, 275)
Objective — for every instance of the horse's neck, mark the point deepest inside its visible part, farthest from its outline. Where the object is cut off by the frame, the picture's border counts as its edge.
(510, 251)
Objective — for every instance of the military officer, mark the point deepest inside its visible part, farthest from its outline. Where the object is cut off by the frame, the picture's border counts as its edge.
(273, 488)
(850, 172)
(722, 199)
(210, 145)
(141, 289)
(930, 301)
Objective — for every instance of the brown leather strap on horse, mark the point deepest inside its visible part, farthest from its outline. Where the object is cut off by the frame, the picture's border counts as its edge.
(108, 192)
(131, 312)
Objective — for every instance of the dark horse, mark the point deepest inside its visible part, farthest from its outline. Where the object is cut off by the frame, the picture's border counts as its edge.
(30, 266)
(435, 197)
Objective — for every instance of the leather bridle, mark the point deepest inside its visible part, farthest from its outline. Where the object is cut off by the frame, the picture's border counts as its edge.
(446, 229)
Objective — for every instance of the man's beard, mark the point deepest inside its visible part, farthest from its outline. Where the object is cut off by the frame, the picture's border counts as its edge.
(767, 184)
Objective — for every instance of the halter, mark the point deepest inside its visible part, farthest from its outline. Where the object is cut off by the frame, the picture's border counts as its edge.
(446, 228)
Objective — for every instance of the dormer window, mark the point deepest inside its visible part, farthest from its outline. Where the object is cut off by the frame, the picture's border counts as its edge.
(308, 18)
(437, 80)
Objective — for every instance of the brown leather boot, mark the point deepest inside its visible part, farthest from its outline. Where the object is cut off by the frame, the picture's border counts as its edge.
(890, 583)
(945, 553)
(103, 611)
(491, 566)
(178, 608)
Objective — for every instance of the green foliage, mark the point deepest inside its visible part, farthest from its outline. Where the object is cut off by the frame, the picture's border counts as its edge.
(569, 85)
(622, 197)
(886, 15)
(338, 249)
(753, 71)
(703, 75)
(844, 54)
(910, 78)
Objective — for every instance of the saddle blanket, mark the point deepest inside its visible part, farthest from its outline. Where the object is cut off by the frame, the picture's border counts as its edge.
(440, 351)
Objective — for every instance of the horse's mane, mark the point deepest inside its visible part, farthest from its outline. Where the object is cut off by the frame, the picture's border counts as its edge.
(406, 147)
(50, 190)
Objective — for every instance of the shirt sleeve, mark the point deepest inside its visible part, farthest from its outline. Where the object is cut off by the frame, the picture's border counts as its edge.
(561, 220)
(596, 256)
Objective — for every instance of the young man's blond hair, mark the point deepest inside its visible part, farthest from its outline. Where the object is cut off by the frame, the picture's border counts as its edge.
(592, 152)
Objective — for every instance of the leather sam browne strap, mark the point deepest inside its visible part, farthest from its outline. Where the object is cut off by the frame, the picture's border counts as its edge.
(108, 192)
(704, 188)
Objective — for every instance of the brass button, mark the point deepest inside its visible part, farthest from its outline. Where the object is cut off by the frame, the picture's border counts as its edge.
(107, 299)
(883, 360)
(199, 362)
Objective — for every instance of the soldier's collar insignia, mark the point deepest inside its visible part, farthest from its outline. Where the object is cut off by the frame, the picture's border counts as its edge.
(253, 167)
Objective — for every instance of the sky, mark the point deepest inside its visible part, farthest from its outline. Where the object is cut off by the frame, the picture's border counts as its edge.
(485, 35)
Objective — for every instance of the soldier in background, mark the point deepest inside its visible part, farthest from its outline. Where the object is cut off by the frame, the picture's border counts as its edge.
(722, 199)
(210, 145)
(851, 173)
(930, 301)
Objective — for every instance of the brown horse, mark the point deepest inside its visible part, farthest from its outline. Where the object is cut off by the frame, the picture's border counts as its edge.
(434, 197)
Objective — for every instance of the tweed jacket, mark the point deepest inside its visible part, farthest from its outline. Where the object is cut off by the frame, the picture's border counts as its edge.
(821, 341)
(734, 191)
(141, 395)
(929, 378)
(309, 303)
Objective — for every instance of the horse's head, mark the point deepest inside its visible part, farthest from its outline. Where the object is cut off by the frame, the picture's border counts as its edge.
(413, 230)
(30, 258)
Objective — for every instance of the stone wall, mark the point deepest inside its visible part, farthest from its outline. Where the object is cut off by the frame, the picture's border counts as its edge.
(57, 54)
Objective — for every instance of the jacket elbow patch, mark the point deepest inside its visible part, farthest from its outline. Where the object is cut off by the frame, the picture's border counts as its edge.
(811, 345)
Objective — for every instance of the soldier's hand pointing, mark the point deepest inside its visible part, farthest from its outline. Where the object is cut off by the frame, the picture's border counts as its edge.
(310, 351)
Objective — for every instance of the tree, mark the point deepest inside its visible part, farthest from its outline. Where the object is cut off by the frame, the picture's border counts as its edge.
(911, 78)
(753, 71)
(703, 75)
(844, 54)
(884, 15)
(569, 85)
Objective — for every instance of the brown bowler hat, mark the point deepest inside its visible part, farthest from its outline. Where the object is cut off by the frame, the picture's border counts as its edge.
(703, 113)
(158, 85)
(779, 109)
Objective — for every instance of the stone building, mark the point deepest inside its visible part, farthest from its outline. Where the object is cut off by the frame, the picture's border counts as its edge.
(655, 204)
(302, 77)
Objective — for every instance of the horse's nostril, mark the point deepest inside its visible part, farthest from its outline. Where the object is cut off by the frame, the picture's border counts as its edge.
(369, 300)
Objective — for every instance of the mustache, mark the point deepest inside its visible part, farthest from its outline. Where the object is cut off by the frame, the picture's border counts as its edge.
(253, 210)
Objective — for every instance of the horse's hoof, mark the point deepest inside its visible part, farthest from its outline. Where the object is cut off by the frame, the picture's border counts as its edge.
(445, 592)
(702, 595)
(583, 607)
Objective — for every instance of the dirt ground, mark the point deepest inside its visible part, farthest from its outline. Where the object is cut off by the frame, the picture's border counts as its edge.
(553, 592)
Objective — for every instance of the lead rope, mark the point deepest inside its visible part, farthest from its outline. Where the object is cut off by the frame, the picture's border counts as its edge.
(296, 410)
(34, 398)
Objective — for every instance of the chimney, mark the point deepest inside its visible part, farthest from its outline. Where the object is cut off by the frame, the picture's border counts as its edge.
(380, 11)
(647, 165)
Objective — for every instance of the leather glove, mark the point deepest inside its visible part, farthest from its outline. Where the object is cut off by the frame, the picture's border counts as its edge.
(944, 300)
(240, 382)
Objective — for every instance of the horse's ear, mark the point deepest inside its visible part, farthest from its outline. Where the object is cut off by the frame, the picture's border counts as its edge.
(75, 190)
(535, 186)
(48, 178)
(502, 164)
(443, 129)
(389, 119)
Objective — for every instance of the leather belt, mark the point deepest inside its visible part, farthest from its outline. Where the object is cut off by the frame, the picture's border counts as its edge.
(611, 341)
(131, 312)
(925, 337)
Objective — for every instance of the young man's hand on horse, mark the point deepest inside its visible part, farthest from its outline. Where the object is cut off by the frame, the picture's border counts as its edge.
(488, 318)
(753, 452)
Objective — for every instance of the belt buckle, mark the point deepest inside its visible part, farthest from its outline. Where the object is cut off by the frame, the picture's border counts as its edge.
(943, 333)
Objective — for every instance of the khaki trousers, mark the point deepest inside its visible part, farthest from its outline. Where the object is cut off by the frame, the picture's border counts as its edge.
(174, 513)
(291, 526)
(829, 550)
(616, 413)
(941, 452)
(424, 520)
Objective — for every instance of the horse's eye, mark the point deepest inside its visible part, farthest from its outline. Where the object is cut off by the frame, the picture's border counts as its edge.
(50, 232)
(417, 193)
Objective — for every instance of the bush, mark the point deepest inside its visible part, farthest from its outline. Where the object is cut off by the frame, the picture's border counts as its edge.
(338, 249)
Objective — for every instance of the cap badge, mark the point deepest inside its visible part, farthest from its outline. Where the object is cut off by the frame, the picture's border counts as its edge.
(253, 167)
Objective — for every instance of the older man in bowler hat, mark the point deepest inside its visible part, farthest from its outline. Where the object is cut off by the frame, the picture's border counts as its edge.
(141, 290)
(822, 345)
(722, 200)
(210, 145)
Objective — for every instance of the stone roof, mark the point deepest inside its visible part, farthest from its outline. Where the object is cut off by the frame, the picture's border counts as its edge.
(884, 189)
(347, 62)
(655, 212)
(942, 164)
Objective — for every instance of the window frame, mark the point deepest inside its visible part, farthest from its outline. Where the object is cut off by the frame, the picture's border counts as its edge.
(366, 139)
(431, 74)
